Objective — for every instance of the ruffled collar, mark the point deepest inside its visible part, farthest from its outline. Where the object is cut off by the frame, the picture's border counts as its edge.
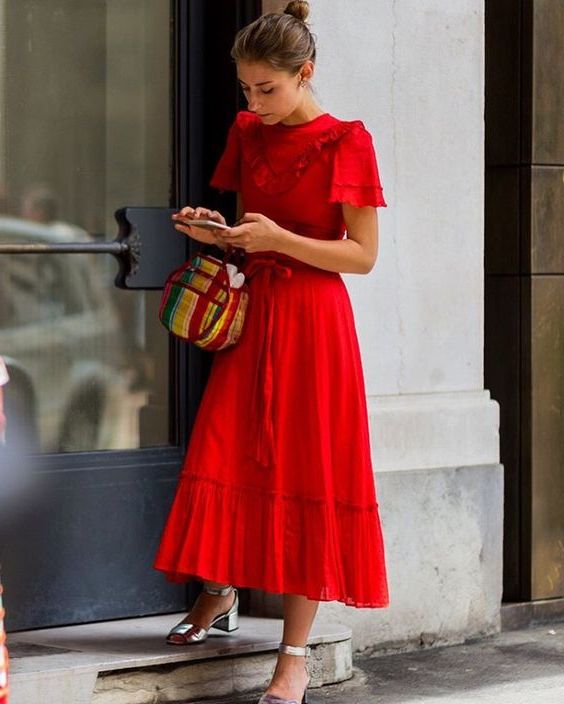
(324, 129)
(324, 119)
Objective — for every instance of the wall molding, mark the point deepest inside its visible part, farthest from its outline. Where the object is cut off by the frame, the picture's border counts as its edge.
(425, 431)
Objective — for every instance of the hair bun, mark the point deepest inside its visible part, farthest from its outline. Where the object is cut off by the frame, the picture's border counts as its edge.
(298, 9)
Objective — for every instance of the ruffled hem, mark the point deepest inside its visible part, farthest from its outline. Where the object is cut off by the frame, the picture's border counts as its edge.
(223, 184)
(359, 196)
(325, 551)
(255, 148)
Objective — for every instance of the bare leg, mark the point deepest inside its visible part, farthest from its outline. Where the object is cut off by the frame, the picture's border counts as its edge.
(290, 677)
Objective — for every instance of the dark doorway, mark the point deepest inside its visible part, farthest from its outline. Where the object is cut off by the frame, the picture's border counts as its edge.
(524, 296)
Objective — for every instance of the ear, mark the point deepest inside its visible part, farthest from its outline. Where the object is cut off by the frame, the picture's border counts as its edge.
(307, 70)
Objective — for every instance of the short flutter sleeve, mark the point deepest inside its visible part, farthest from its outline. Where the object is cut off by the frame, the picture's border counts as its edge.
(355, 178)
(227, 174)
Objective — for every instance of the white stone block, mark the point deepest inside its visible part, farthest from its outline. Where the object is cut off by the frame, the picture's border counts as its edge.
(414, 73)
(443, 531)
(422, 431)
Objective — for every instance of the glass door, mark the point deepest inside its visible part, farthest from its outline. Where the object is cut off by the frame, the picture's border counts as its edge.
(85, 127)
(87, 121)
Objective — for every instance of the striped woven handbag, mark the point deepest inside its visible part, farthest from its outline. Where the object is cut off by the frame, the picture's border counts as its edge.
(199, 304)
(3, 657)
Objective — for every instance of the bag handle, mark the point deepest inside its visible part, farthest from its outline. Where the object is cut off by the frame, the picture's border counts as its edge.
(229, 254)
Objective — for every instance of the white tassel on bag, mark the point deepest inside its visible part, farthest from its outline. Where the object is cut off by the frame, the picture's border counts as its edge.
(236, 278)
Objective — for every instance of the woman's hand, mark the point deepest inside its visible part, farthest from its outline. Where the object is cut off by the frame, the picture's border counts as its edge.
(254, 233)
(198, 233)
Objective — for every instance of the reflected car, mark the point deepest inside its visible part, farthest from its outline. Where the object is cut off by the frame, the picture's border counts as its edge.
(60, 334)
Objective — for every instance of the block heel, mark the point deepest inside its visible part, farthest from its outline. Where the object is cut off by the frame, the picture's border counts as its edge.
(229, 622)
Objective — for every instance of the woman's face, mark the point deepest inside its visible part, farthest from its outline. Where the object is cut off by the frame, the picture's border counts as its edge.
(273, 95)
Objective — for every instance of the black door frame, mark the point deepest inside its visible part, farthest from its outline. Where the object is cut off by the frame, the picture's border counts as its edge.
(208, 96)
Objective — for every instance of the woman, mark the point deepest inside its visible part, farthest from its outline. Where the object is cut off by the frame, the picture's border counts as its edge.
(277, 489)
(3, 651)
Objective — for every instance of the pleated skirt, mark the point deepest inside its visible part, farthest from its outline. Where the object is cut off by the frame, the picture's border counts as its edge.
(277, 488)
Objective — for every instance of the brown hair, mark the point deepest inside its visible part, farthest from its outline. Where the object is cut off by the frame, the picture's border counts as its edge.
(283, 41)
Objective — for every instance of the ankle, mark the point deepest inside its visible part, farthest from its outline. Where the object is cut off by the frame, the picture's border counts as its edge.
(215, 589)
(297, 651)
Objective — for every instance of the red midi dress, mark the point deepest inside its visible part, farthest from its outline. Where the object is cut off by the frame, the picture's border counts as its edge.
(277, 488)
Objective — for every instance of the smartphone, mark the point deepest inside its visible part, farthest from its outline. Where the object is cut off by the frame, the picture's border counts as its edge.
(208, 224)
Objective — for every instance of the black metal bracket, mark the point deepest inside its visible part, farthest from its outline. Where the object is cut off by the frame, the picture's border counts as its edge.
(155, 248)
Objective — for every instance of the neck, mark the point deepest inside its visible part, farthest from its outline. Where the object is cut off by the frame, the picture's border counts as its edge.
(307, 111)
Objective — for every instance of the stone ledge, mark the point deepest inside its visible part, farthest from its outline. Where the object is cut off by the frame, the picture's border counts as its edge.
(520, 615)
(128, 662)
(425, 431)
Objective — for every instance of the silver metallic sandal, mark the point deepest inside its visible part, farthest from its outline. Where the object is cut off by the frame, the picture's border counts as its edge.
(288, 650)
(185, 633)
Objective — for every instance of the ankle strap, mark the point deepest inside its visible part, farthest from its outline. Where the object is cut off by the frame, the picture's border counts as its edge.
(223, 591)
(294, 650)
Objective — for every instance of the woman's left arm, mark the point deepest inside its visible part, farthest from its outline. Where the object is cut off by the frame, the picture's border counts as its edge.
(355, 255)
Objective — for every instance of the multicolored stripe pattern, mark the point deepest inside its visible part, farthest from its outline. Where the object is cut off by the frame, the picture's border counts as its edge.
(199, 305)
(3, 657)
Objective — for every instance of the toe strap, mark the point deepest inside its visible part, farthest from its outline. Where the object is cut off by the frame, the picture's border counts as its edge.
(185, 629)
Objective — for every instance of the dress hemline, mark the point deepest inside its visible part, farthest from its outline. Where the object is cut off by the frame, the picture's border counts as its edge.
(181, 578)
(270, 546)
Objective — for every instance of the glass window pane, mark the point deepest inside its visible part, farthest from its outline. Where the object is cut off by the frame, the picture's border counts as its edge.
(85, 128)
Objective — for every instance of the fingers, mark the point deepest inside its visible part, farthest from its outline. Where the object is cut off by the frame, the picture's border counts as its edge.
(186, 212)
(199, 213)
(200, 234)
(203, 213)
(234, 236)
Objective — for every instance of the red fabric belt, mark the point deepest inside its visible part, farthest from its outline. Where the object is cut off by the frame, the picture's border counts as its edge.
(263, 425)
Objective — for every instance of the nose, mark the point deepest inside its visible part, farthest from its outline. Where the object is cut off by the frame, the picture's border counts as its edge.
(253, 103)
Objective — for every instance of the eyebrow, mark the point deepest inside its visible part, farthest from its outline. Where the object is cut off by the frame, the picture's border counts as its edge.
(258, 84)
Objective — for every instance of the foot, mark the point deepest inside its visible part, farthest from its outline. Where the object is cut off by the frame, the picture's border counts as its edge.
(290, 678)
(205, 609)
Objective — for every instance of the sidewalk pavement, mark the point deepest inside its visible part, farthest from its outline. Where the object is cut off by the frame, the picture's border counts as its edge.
(515, 667)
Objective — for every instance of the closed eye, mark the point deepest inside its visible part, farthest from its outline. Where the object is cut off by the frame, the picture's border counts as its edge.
(265, 91)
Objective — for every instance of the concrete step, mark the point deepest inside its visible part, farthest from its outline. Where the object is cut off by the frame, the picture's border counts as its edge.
(517, 615)
(128, 662)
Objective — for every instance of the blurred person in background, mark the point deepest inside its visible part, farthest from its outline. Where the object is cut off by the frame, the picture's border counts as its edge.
(3, 650)
(40, 204)
(3, 380)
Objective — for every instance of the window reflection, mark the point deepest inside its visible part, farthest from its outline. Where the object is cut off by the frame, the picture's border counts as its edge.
(84, 129)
